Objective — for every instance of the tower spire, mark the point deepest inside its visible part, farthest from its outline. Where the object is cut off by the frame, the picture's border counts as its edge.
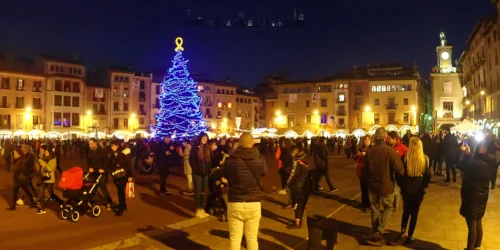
(442, 36)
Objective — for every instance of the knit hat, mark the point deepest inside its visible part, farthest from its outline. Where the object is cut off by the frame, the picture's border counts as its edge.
(380, 133)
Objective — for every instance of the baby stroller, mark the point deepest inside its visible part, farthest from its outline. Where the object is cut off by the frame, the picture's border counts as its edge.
(79, 192)
(149, 163)
(216, 201)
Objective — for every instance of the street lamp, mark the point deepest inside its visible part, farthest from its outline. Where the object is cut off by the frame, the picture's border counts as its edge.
(28, 109)
(467, 102)
(413, 108)
(482, 92)
(316, 112)
(368, 108)
(89, 113)
(278, 113)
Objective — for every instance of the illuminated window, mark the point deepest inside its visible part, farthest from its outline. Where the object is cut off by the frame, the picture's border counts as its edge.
(341, 97)
(393, 88)
(374, 88)
(307, 90)
(286, 91)
(292, 90)
(383, 88)
(399, 88)
(379, 88)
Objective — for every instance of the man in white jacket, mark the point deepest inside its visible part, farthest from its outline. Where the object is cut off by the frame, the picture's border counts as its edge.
(187, 168)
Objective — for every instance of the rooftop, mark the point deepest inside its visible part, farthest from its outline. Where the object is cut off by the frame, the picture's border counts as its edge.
(71, 60)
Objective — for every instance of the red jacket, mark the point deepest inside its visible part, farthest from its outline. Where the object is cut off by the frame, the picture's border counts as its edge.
(400, 148)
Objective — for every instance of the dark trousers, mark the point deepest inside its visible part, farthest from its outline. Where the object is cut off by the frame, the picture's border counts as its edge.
(300, 196)
(120, 187)
(58, 159)
(25, 187)
(438, 165)
(450, 168)
(365, 198)
(475, 236)
(163, 179)
(494, 176)
(50, 188)
(200, 184)
(317, 234)
(284, 177)
(320, 172)
(411, 206)
(104, 189)
(7, 162)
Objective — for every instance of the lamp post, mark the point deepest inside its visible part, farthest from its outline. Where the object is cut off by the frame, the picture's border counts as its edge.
(367, 112)
(131, 122)
(27, 116)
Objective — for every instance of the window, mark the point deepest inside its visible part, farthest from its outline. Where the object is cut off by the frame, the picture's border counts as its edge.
(341, 97)
(125, 92)
(37, 103)
(379, 88)
(408, 87)
(67, 86)
(57, 100)
(406, 117)
(291, 121)
(218, 91)
(286, 104)
(115, 123)
(341, 121)
(376, 118)
(66, 119)
(377, 102)
(36, 120)
(19, 102)
(405, 101)
(142, 85)
(58, 85)
(324, 118)
(75, 119)
(76, 87)
(142, 96)
(57, 119)
(299, 90)
(307, 90)
(292, 90)
(285, 91)
(125, 123)
(393, 88)
(125, 106)
(398, 88)
(4, 102)
(20, 85)
(308, 104)
(374, 88)
(67, 101)
(447, 109)
(141, 121)
(37, 86)
(5, 83)
(227, 92)
(52, 68)
(323, 103)
(308, 119)
(75, 101)
(358, 88)
(116, 106)
(157, 89)
(384, 88)
(157, 103)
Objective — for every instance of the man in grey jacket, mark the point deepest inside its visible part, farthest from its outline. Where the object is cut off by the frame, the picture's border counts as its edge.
(243, 170)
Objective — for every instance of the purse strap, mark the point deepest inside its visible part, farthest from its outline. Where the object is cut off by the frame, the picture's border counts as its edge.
(253, 174)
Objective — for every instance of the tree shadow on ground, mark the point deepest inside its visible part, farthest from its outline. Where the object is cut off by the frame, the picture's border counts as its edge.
(278, 218)
(289, 240)
(274, 201)
(175, 239)
(332, 227)
(170, 203)
(263, 244)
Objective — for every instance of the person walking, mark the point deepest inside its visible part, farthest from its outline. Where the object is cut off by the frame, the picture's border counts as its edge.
(413, 184)
(394, 141)
(200, 160)
(21, 178)
(122, 172)
(243, 171)
(48, 166)
(299, 181)
(188, 171)
(166, 158)
(97, 164)
(381, 163)
(363, 148)
(321, 165)
(450, 145)
(476, 169)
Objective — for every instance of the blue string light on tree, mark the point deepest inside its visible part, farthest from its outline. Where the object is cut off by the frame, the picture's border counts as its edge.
(179, 114)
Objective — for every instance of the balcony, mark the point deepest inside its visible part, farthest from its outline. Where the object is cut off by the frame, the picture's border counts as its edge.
(20, 106)
(207, 104)
(98, 99)
(357, 106)
(99, 112)
(5, 126)
(340, 125)
(358, 92)
(219, 117)
(340, 100)
(209, 116)
(391, 106)
(37, 89)
(37, 106)
(5, 105)
(142, 112)
(341, 112)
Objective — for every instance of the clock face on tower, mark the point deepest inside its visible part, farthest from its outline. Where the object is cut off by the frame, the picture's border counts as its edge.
(445, 55)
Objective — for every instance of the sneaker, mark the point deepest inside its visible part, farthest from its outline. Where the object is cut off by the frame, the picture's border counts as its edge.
(20, 202)
(410, 240)
(334, 190)
(188, 193)
(41, 211)
(11, 208)
(119, 212)
(282, 191)
(376, 240)
(200, 213)
(400, 241)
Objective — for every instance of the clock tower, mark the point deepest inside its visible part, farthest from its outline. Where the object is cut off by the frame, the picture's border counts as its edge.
(444, 53)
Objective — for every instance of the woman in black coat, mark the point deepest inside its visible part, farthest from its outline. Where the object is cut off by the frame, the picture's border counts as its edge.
(299, 181)
(475, 189)
(22, 178)
(200, 160)
(121, 171)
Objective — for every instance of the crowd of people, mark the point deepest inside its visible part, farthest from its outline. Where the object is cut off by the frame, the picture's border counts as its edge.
(389, 169)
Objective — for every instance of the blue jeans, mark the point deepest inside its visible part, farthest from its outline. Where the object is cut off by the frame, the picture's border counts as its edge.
(200, 184)
(380, 216)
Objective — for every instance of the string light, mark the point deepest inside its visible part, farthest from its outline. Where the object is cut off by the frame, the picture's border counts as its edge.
(179, 114)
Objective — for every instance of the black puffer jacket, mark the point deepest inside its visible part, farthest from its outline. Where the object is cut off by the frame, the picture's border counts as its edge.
(300, 174)
(243, 170)
(21, 170)
(475, 185)
(119, 161)
(320, 156)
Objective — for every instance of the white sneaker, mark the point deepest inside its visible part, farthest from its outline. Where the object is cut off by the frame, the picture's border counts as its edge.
(282, 191)
(201, 214)
(20, 202)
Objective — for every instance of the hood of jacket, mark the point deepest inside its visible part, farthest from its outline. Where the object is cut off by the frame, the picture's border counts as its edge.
(246, 153)
(126, 151)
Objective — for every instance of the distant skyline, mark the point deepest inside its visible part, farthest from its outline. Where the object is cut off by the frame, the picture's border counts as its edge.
(339, 34)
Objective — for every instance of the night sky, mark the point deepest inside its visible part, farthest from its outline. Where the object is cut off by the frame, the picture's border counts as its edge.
(340, 33)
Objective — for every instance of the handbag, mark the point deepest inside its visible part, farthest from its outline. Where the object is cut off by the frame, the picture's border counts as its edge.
(119, 172)
(45, 175)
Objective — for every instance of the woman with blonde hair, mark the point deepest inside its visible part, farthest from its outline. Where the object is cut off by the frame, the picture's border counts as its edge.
(413, 184)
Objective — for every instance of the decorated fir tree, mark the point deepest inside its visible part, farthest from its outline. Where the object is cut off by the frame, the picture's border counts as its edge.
(179, 114)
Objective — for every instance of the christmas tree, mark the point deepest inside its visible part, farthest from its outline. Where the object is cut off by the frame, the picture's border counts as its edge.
(179, 114)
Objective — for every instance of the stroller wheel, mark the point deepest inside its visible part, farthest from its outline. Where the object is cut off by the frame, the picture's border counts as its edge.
(75, 216)
(211, 211)
(96, 210)
(64, 213)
